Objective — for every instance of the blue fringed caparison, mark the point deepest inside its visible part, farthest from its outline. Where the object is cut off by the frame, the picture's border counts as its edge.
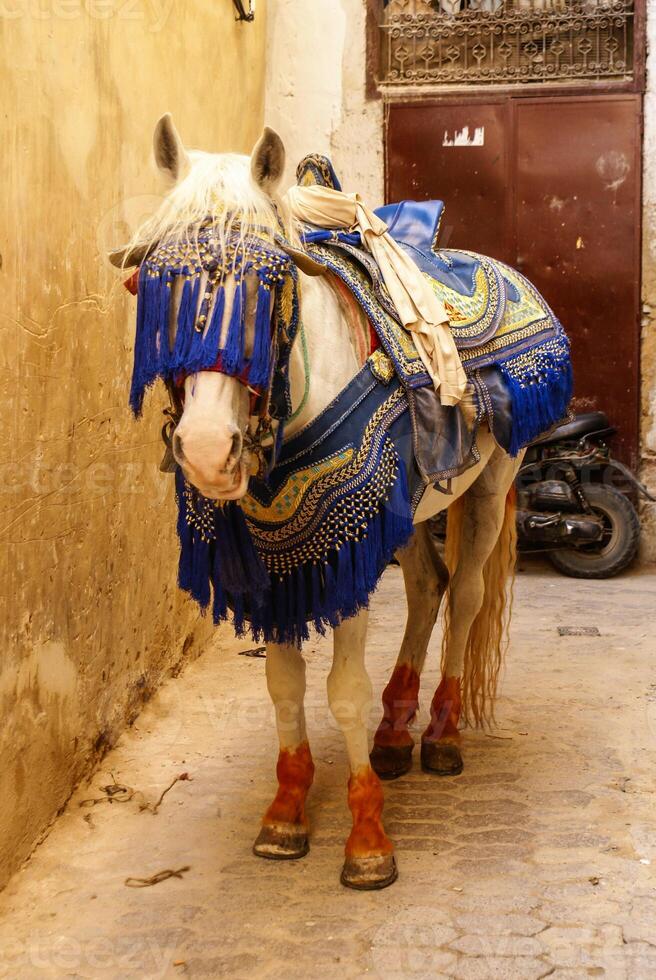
(202, 341)
(309, 545)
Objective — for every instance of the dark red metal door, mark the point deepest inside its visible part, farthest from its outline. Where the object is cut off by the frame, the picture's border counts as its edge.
(551, 186)
(436, 152)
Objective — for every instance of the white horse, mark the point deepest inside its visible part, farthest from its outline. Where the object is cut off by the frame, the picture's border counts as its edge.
(211, 446)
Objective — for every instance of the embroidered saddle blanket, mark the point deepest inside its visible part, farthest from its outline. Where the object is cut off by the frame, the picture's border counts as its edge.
(512, 347)
(511, 344)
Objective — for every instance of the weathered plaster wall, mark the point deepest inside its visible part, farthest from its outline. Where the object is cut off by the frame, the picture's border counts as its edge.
(91, 617)
(648, 366)
(316, 93)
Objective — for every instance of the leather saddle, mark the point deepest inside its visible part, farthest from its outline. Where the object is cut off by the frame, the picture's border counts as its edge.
(414, 223)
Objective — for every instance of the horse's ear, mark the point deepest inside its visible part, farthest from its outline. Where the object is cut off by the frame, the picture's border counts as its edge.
(268, 161)
(170, 154)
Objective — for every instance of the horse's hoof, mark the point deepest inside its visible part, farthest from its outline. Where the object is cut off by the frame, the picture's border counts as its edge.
(443, 758)
(369, 873)
(282, 842)
(391, 761)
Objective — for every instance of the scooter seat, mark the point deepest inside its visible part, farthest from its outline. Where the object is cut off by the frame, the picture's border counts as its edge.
(580, 426)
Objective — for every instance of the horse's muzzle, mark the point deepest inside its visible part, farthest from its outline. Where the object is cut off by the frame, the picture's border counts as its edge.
(229, 486)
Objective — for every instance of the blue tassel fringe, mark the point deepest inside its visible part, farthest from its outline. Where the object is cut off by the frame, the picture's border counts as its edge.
(232, 355)
(259, 370)
(280, 610)
(196, 345)
(539, 399)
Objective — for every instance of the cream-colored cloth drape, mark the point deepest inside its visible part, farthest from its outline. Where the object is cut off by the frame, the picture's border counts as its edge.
(419, 309)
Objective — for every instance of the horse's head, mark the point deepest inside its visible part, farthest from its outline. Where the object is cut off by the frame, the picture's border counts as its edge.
(238, 195)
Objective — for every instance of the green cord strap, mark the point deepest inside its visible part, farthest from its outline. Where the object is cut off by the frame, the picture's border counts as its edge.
(306, 369)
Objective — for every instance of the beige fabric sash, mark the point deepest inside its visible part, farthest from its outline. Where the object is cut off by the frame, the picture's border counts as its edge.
(418, 307)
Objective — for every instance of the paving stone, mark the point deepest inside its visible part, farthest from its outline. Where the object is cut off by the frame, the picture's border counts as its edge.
(499, 923)
(485, 945)
(584, 947)
(500, 968)
(641, 922)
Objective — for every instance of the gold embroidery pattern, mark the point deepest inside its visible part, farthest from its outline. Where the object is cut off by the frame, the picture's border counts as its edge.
(471, 316)
(290, 496)
(396, 340)
(525, 322)
(336, 506)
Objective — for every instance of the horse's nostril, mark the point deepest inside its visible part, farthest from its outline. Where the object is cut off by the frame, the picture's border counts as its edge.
(177, 447)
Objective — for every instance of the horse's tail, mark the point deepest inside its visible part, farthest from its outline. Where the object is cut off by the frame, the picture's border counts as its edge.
(488, 635)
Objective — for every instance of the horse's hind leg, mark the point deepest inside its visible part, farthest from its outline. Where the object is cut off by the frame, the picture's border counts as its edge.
(425, 576)
(284, 833)
(473, 640)
(369, 851)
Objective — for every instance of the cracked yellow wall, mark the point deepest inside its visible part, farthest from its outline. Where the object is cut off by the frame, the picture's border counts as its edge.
(91, 617)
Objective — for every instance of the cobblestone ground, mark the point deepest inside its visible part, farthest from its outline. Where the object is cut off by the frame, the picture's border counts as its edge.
(537, 861)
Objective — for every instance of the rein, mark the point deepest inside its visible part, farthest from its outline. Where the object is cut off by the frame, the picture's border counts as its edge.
(173, 415)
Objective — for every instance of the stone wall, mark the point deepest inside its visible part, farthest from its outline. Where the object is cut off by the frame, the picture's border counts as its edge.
(316, 90)
(91, 619)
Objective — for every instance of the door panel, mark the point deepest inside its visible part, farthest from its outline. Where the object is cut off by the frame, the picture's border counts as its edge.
(576, 217)
(551, 186)
(470, 178)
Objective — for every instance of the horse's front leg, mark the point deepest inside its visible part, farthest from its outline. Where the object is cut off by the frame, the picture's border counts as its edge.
(284, 833)
(369, 851)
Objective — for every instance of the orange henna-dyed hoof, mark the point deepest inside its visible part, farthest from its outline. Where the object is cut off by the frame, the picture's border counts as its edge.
(443, 757)
(284, 833)
(400, 703)
(440, 743)
(391, 755)
(369, 874)
(391, 761)
(282, 842)
(369, 851)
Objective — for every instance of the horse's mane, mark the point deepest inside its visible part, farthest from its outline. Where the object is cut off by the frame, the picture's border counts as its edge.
(218, 187)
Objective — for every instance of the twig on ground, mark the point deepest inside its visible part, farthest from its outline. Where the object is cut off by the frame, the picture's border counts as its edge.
(117, 793)
(154, 807)
(155, 879)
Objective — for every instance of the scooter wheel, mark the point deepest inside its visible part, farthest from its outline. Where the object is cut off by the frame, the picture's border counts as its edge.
(618, 546)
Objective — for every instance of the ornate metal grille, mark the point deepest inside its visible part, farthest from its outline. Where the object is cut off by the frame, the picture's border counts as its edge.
(442, 42)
